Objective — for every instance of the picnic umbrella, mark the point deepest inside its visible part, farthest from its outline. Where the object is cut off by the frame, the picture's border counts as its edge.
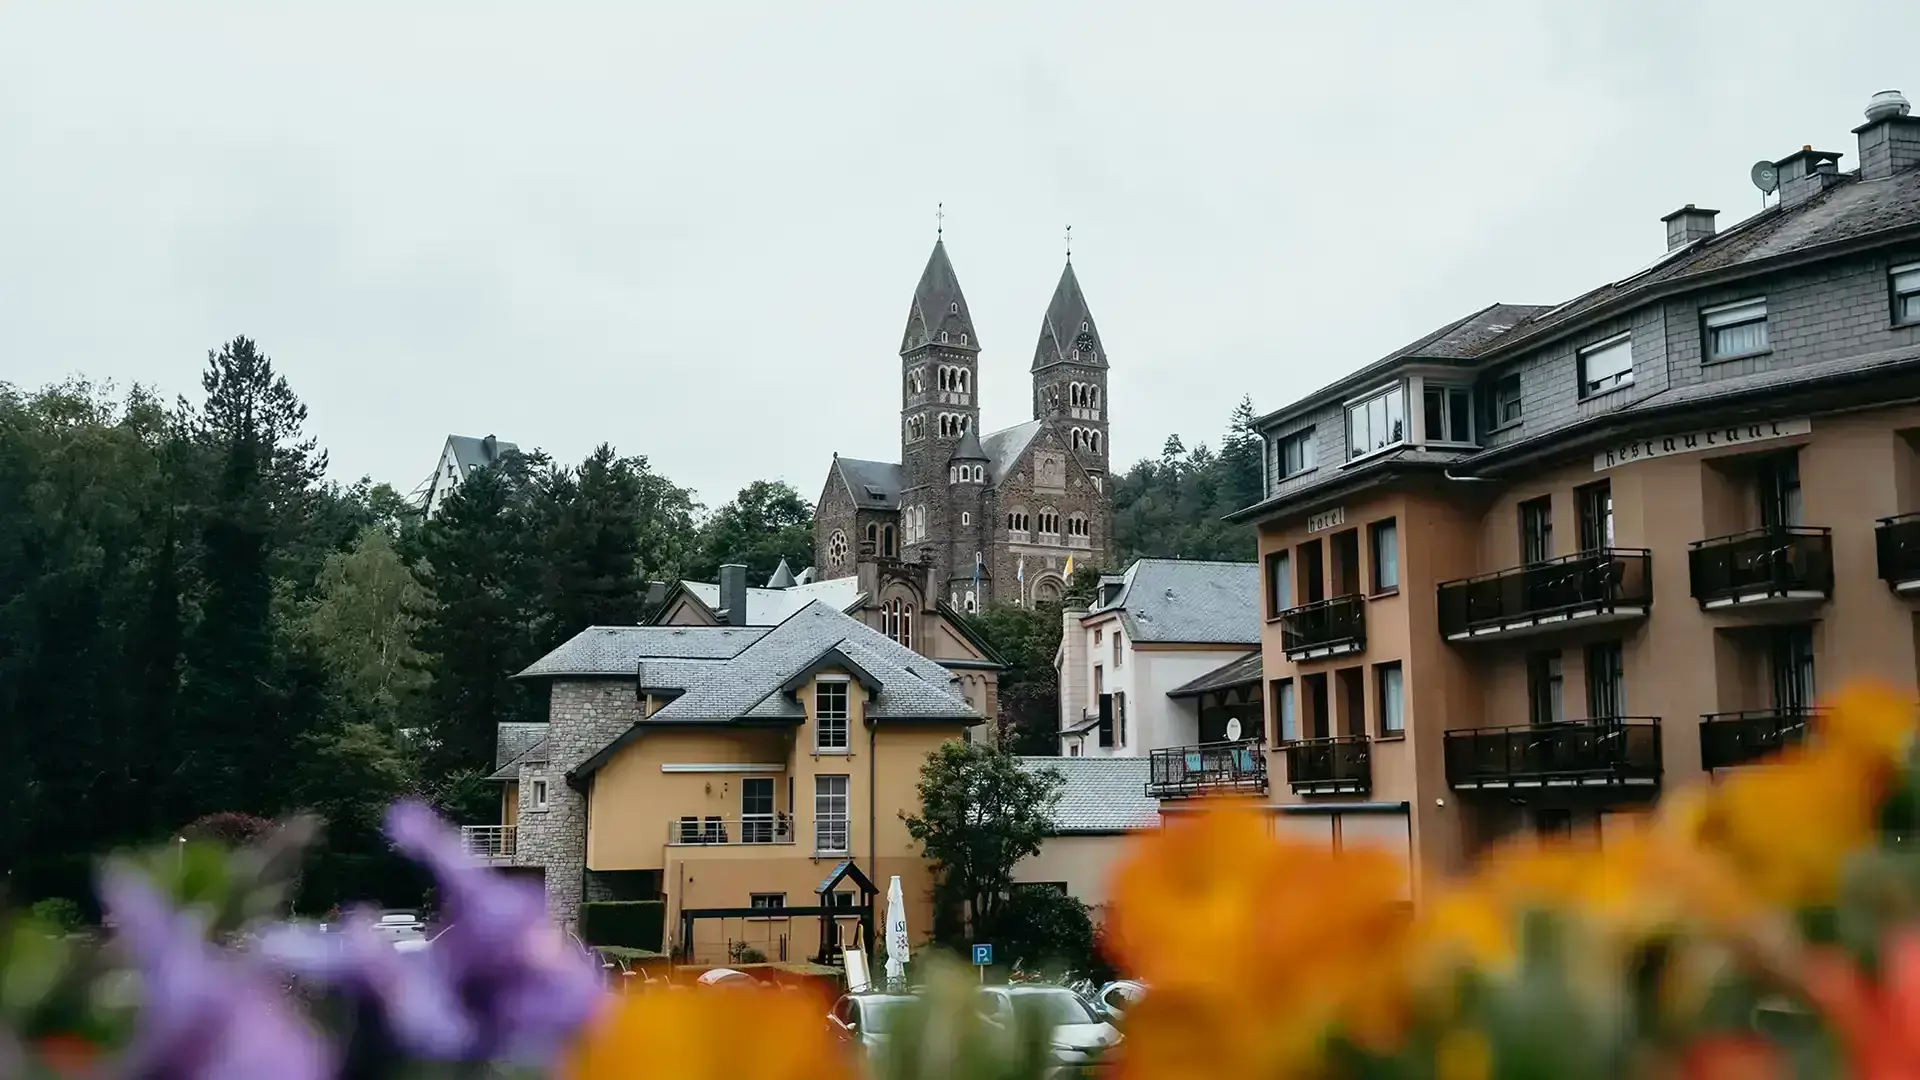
(896, 935)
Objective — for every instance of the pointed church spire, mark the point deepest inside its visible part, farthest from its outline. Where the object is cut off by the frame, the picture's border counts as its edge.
(1068, 334)
(939, 308)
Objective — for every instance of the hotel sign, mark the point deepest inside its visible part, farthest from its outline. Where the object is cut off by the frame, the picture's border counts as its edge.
(1695, 441)
(1329, 519)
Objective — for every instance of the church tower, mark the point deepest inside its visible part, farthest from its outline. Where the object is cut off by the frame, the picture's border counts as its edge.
(940, 369)
(1070, 373)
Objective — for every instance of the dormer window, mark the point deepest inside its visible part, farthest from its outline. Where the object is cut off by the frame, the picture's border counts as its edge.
(953, 307)
(1376, 422)
(1448, 411)
(943, 337)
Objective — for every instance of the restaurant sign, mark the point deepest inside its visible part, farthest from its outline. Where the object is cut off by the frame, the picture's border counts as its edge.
(1696, 441)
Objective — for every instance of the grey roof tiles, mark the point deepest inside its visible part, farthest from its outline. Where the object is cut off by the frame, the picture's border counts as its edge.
(1100, 795)
(618, 650)
(1179, 600)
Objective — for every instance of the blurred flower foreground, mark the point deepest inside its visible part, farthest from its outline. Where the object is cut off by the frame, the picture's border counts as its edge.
(1764, 926)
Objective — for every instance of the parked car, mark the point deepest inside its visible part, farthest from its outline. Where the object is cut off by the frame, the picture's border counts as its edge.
(1078, 1037)
(868, 1018)
(1117, 998)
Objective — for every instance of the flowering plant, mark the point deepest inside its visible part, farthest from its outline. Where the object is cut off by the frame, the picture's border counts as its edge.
(1765, 926)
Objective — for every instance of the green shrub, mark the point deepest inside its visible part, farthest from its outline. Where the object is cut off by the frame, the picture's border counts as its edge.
(58, 913)
(633, 924)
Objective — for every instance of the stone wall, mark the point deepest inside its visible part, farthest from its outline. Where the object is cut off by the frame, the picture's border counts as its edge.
(583, 716)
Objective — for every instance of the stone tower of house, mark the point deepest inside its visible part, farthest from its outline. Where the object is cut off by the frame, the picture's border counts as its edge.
(979, 516)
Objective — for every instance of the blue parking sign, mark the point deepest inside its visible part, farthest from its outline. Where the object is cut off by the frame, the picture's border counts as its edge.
(983, 956)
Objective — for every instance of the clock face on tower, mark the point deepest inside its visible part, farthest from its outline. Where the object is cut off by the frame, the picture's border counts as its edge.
(1084, 344)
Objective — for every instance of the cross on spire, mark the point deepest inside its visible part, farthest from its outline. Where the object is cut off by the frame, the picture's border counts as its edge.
(939, 221)
(1069, 243)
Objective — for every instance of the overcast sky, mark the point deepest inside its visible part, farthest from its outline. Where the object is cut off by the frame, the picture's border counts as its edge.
(693, 229)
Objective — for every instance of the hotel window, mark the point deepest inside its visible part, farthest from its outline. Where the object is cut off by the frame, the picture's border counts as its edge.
(767, 901)
(1790, 656)
(1536, 530)
(539, 794)
(1544, 703)
(1595, 505)
(1279, 583)
(1285, 721)
(830, 716)
(1390, 699)
(830, 813)
(1607, 365)
(1904, 282)
(1449, 414)
(1293, 454)
(1735, 330)
(1779, 490)
(1376, 422)
(1384, 538)
(1500, 401)
(1606, 681)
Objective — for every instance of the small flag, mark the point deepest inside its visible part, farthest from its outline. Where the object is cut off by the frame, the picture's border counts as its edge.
(1020, 571)
(1069, 568)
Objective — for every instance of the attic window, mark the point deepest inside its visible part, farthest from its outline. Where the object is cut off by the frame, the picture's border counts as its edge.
(963, 339)
(943, 337)
(875, 494)
(1083, 328)
(953, 308)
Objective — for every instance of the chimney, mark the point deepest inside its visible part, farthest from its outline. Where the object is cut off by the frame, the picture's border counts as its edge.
(1687, 224)
(733, 593)
(487, 447)
(1806, 174)
(1890, 139)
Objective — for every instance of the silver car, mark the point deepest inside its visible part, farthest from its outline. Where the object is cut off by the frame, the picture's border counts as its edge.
(869, 1019)
(1081, 1042)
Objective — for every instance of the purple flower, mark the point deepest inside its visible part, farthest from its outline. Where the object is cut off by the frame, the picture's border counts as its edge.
(204, 1014)
(499, 983)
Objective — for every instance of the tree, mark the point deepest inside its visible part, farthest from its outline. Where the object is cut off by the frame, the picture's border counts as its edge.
(591, 572)
(1041, 927)
(1240, 484)
(980, 814)
(1029, 689)
(362, 624)
(766, 522)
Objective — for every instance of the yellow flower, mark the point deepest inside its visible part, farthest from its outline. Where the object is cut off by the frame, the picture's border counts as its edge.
(1787, 828)
(711, 1034)
(1872, 722)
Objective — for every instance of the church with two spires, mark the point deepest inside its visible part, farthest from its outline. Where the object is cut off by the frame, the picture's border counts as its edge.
(966, 517)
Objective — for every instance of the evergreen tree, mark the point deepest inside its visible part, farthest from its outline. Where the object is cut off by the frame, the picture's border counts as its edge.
(1240, 484)
(591, 545)
(768, 521)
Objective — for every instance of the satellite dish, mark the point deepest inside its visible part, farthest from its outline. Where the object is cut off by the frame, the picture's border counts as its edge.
(1233, 729)
(1765, 177)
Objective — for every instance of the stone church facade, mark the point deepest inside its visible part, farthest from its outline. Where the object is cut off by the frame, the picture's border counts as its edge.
(966, 517)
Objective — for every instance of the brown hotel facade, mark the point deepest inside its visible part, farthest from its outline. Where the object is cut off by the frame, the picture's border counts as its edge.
(1528, 572)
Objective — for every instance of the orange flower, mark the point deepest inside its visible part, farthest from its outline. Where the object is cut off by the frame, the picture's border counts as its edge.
(1732, 1057)
(711, 1034)
(1787, 828)
(1870, 721)
(1878, 1025)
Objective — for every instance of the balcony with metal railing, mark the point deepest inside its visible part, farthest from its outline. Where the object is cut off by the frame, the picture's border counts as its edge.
(1333, 627)
(1896, 543)
(1773, 565)
(1339, 765)
(1741, 738)
(1178, 772)
(491, 843)
(747, 829)
(1592, 588)
(1614, 751)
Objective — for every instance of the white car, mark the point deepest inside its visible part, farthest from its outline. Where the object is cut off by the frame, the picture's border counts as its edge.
(1078, 1037)
(1116, 999)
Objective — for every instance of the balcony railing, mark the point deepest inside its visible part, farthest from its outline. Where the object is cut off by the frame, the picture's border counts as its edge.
(1323, 766)
(1608, 585)
(494, 843)
(1896, 542)
(1324, 628)
(748, 829)
(1739, 738)
(1609, 751)
(1767, 565)
(1180, 771)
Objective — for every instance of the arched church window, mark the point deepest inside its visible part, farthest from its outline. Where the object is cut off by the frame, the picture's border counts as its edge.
(1094, 440)
(963, 339)
(837, 549)
(943, 337)
(953, 307)
(979, 474)
(886, 543)
(953, 474)
(873, 534)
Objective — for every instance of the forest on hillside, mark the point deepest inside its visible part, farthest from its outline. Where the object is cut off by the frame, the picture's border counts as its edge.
(197, 626)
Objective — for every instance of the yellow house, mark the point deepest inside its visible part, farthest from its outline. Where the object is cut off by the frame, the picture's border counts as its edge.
(730, 770)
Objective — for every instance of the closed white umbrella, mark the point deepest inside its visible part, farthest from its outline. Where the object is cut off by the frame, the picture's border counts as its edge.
(896, 935)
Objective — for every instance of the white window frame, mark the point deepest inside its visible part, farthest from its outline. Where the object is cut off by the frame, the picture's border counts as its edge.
(1391, 688)
(822, 743)
(1740, 313)
(1614, 379)
(1286, 720)
(1384, 554)
(1903, 283)
(1446, 390)
(832, 807)
(537, 794)
(1496, 418)
(1308, 455)
(1388, 394)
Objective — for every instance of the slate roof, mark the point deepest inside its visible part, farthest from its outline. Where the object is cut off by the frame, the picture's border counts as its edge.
(1060, 328)
(534, 754)
(939, 305)
(618, 650)
(471, 453)
(871, 483)
(770, 607)
(1189, 601)
(1100, 795)
(782, 576)
(510, 740)
(967, 448)
(1241, 672)
(912, 686)
(1004, 447)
